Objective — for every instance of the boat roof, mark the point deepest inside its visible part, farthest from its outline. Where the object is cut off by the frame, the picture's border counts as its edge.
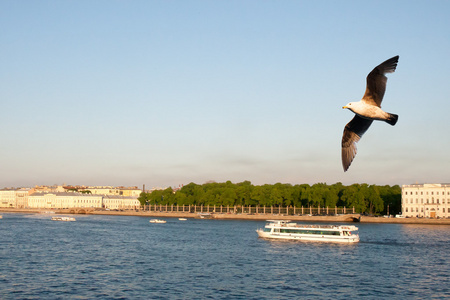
(312, 226)
(278, 221)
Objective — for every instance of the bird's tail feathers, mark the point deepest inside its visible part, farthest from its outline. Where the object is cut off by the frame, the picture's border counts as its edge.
(392, 120)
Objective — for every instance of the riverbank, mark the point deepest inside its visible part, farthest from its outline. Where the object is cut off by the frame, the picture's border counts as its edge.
(230, 216)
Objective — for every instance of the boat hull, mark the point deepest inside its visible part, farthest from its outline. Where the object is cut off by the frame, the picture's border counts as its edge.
(64, 219)
(157, 221)
(308, 237)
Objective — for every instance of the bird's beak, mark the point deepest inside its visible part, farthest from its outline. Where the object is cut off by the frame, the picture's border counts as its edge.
(344, 107)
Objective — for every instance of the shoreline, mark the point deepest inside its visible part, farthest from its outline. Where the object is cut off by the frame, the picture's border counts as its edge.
(225, 216)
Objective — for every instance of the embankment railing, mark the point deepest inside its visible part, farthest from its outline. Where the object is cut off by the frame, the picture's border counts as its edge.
(278, 210)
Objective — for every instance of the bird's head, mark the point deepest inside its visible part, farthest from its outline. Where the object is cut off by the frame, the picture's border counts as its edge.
(350, 106)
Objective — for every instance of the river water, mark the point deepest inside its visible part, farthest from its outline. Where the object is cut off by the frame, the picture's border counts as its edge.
(125, 257)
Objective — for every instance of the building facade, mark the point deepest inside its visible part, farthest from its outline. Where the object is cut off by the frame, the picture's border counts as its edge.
(28, 198)
(121, 202)
(113, 191)
(426, 200)
(16, 198)
(80, 200)
(64, 200)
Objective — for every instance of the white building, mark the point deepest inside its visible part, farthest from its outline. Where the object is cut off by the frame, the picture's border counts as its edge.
(79, 200)
(59, 198)
(64, 200)
(15, 198)
(120, 202)
(426, 200)
(7, 198)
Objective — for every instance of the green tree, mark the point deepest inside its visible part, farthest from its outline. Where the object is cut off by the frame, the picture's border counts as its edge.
(315, 196)
(228, 197)
(374, 203)
(353, 197)
(244, 194)
(330, 197)
(144, 198)
(392, 198)
(276, 197)
(365, 198)
(180, 198)
(260, 194)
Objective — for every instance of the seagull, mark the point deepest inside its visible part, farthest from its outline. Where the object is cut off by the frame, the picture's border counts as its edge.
(367, 109)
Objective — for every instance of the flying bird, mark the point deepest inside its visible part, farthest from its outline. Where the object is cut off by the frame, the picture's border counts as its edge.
(367, 109)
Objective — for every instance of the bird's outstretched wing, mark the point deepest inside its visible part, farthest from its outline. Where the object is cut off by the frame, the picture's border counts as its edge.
(353, 132)
(376, 81)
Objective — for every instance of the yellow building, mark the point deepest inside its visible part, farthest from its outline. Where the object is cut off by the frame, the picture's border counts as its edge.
(114, 191)
(129, 191)
(426, 200)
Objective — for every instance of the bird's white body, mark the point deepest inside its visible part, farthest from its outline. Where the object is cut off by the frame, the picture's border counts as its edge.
(367, 111)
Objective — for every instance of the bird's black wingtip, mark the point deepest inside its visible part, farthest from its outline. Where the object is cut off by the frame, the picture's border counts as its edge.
(392, 120)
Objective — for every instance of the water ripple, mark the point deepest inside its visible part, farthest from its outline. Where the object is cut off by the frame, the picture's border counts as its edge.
(128, 258)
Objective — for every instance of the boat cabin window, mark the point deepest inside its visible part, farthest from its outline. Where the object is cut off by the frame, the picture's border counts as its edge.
(305, 231)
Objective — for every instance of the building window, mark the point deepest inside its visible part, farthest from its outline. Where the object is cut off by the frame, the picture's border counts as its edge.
(406, 210)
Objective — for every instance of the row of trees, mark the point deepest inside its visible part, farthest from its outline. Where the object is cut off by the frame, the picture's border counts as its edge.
(371, 199)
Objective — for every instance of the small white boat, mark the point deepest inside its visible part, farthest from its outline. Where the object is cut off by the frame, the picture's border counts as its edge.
(204, 216)
(182, 219)
(283, 229)
(64, 219)
(157, 221)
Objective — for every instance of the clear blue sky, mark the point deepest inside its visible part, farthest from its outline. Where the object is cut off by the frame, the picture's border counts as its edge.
(164, 93)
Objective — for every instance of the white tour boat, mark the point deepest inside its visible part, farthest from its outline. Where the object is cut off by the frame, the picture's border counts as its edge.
(182, 219)
(157, 221)
(283, 229)
(64, 219)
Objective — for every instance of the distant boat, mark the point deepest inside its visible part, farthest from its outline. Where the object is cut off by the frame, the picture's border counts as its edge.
(64, 219)
(204, 215)
(157, 221)
(182, 219)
